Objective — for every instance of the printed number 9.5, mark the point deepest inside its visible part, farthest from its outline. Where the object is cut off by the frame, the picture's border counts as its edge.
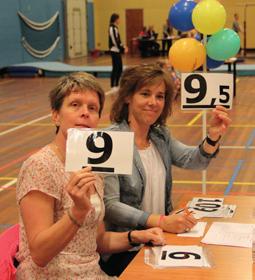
(201, 90)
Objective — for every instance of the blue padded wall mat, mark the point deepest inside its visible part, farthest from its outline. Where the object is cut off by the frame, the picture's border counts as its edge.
(55, 69)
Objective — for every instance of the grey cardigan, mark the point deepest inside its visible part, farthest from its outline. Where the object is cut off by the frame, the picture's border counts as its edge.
(124, 193)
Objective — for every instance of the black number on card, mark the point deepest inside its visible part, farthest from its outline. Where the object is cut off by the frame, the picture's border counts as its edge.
(209, 200)
(200, 90)
(224, 93)
(106, 150)
(208, 205)
(179, 255)
(205, 209)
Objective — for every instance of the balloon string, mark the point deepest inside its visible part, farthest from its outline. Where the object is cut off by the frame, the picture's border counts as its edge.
(194, 65)
(204, 65)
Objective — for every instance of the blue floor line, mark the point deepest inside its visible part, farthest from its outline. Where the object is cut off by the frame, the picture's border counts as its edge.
(239, 164)
(236, 171)
(250, 140)
(5, 226)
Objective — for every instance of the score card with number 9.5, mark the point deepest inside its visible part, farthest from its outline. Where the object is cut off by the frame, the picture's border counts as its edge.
(206, 90)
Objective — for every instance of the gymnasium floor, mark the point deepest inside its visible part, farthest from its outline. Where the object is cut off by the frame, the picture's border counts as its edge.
(25, 126)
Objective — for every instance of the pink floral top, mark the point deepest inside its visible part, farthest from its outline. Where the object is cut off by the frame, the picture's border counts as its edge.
(44, 172)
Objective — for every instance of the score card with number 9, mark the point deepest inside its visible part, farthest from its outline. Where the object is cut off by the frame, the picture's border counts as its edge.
(104, 151)
(206, 90)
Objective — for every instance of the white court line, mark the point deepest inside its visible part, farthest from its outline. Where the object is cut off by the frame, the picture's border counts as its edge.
(12, 182)
(7, 185)
(233, 147)
(41, 118)
(238, 147)
(23, 125)
(112, 91)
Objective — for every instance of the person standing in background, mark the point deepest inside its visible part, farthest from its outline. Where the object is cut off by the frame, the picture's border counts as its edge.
(236, 25)
(143, 34)
(166, 41)
(165, 64)
(116, 49)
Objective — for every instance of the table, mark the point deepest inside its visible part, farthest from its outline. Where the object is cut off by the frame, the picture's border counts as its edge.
(150, 46)
(230, 263)
(167, 43)
(134, 44)
(232, 62)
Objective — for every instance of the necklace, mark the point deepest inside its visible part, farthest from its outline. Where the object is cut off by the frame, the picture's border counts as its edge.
(58, 151)
(143, 146)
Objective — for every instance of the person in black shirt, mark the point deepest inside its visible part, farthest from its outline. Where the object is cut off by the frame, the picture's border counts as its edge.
(116, 49)
(166, 41)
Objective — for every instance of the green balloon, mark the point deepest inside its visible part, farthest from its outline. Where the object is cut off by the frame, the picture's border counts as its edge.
(223, 44)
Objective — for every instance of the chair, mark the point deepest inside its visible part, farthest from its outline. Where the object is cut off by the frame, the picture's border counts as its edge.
(148, 47)
(9, 242)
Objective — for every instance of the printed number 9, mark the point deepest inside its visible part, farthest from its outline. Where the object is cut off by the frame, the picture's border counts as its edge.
(179, 255)
(106, 149)
(201, 89)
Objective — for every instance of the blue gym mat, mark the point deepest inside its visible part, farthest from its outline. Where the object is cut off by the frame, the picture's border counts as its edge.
(55, 69)
(241, 69)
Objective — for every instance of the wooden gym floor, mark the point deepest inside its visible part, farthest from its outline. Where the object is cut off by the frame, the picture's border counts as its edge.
(25, 126)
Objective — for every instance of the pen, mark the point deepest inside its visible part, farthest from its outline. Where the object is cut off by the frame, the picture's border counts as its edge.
(179, 211)
(187, 212)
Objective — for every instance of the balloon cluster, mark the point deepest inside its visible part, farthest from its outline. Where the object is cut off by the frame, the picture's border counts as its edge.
(207, 17)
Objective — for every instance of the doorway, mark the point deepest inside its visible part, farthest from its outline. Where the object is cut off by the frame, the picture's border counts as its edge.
(134, 24)
(76, 29)
(90, 25)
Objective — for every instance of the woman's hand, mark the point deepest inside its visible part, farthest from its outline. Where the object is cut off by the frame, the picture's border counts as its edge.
(153, 235)
(80, 187)
(218, 123)
(178, 223)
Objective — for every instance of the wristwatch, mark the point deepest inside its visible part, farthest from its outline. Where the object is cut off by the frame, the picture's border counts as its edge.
(212, 142)
(130, 240)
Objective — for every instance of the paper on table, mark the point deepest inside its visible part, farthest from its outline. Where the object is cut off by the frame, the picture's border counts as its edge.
(192, 256)
(205, 207)
(230, 234)
(210, 207)
(196, 231)
(180, 256)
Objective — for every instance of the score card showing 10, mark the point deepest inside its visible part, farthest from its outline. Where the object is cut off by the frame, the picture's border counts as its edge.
(206, 90)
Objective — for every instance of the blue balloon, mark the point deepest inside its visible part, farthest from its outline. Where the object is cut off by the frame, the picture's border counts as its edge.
(211, 63)
(180, 15)
(199, 37)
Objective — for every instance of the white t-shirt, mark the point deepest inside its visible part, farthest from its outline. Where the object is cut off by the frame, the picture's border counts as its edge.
(154, 193)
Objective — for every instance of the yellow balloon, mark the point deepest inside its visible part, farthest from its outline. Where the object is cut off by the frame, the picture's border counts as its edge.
(187, 54)
(209, 16)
